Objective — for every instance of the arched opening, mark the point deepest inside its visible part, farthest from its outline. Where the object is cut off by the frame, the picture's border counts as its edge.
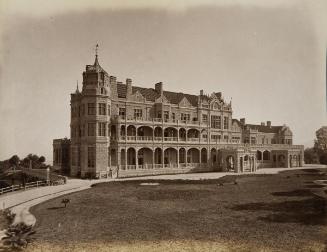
(122, 130)
(113, 157)
(123, 158)
(170, 134)
(281, 160)
(182, 134)
(241, 164)
(193, 135)
(259, 155)
(230, 163)
(131, 158)
(158, 156)
(113, 131)
(182, 156)
(144, 133)
(158, 134)
(213, 154)
(131, 131)
(204, 155)
(266, 155)
(170, 157)
(193, 156)
(144, 157)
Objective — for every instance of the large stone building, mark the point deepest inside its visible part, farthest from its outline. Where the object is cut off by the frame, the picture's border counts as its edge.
(125, 130)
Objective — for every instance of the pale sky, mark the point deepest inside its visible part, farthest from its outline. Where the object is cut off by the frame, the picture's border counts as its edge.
(267, 55)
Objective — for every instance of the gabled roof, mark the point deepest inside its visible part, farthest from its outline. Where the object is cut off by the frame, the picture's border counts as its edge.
(151, 94)
(265, 128)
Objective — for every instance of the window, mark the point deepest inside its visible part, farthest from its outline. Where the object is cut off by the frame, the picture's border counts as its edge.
(73, 111)
(225, 122)
(91, 108)
(215, 137)
(109, 110)
(83, 109)
(205, 118)
(253, 140)
(102, 129)
(159, 114)
(91, 129)
(102, 109)
(185, 117)
(166, 116)
(226, 138)
(173, 116)
(91, 156)
(216, 122)
(83, 130)
(122, 113)
(137, 113)
(75, 157)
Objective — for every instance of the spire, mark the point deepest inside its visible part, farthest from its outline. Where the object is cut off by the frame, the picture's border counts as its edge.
(77, 89)
(96, 63)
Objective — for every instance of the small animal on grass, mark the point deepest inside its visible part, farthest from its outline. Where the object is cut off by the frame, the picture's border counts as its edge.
(65, 201)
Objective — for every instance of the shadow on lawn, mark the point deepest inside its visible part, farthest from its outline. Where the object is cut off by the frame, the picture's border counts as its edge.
(310, 211)
(295, 193)
(55, 208)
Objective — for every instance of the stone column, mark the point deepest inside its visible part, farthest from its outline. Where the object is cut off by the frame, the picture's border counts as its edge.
(177, 158)
(153, 158)
(162, 157)
(136, 158)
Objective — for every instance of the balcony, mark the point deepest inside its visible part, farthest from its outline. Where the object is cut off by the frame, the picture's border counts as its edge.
(166, 121)
(160, 166)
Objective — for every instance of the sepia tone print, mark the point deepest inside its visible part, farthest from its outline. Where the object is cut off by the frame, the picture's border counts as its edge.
(163, 125)
(121, 130)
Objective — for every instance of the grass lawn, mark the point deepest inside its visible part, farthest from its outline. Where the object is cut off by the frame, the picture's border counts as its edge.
(257, 213)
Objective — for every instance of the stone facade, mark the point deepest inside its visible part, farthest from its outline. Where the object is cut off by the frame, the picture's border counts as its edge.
(124, 130)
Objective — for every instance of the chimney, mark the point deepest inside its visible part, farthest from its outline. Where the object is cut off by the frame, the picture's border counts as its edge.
(158, 87)
(201, 92)
(263, 124)
(128, 87)
(113, 86)
(242, 120)
(269, 123)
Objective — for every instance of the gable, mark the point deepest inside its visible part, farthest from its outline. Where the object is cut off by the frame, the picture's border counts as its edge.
(184, 103)
(161, 99)
(137, 96)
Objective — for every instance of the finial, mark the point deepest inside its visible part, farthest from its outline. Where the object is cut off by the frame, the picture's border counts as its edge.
(96, 55)
(77, 89)
(96, 50)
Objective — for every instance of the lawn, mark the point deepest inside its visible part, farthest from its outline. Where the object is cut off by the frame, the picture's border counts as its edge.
(234, 213)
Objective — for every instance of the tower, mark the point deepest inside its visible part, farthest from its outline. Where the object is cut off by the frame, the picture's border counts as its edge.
(90, 118)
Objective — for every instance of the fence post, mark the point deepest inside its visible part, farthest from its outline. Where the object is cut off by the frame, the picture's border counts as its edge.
(12, 188)
(37, 183)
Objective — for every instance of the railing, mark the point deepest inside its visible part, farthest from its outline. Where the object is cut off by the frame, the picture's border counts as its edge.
(170, 139)
(205, 140)
(159, 166)
(20, 187)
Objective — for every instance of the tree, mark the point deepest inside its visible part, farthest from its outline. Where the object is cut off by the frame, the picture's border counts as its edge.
(321, 141)
(14, 160)
(42, 159)
(311, 156)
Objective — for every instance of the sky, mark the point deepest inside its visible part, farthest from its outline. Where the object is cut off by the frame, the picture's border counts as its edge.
(269, 57)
